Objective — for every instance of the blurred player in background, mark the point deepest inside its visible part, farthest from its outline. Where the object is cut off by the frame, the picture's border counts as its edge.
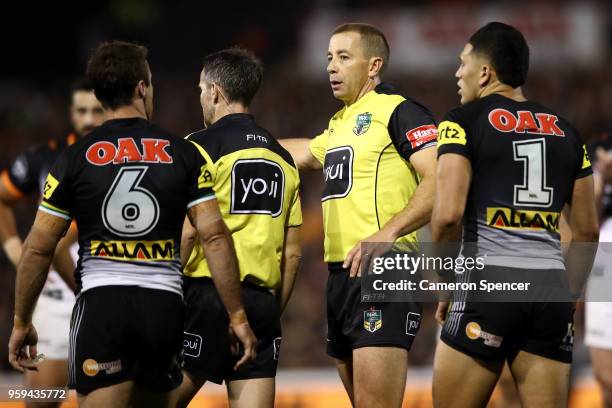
(26, 175)
(129, 186)
(379, 171)
(598, 308)
(257, 186)
(501, 152)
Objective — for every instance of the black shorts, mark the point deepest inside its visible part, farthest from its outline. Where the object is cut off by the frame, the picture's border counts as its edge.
(498, 331)
(122, 333)
(207, 344)
(352, 324)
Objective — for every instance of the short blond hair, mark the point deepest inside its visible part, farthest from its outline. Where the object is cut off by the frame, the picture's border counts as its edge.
(373, 41)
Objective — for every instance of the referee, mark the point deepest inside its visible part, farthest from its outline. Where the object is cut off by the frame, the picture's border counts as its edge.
(379, 173)
(256, 184)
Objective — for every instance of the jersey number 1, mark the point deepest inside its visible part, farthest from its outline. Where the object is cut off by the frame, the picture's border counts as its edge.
(128, 209)
(533, 192)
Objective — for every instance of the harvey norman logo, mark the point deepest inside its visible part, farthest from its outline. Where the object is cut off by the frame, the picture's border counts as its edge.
(134, 250)
(258, 187)
(508, 218)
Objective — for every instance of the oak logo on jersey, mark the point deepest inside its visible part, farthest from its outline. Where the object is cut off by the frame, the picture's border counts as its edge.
(525, 122)
(362, 124)
(338, 172)
(258, 187)
(134, 250)
(421, 135)
(508, 218)
(451, 132)
(127, 151)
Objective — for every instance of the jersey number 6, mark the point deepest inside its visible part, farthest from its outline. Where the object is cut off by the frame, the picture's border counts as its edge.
(128, 209)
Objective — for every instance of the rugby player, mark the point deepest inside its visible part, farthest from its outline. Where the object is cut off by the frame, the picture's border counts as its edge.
(598, 313)
(256, 184)
(26, 175)
(502, 152)
(128, 186)
(379, 171)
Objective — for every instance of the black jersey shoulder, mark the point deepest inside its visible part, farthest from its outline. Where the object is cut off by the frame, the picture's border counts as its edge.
(237, 132)
(409, 103)
(469, 114)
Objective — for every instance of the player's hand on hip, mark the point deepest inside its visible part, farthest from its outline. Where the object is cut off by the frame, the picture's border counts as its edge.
(22, 347)
(375, 245)
(441, 312)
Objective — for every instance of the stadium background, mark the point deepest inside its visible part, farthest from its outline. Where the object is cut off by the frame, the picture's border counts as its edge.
(46, 48)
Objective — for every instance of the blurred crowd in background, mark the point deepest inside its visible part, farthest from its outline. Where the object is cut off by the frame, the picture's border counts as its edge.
(294, 101)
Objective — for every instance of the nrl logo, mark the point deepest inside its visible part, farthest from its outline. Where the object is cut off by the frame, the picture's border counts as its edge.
(362, 124)
(372, 320)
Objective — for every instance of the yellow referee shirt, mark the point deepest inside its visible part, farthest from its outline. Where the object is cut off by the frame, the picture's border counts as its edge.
(368, 178)
(257, 186)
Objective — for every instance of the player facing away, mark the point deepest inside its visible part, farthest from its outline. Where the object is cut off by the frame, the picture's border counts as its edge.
(501, 153)
(128, 185)
(257, 186)
(26, 175)
(379, 171)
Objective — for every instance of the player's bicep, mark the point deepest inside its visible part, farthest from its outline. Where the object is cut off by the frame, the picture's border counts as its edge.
(453, 178)
(583, 213)
(46, 232)
(57, 198)
(206, 218)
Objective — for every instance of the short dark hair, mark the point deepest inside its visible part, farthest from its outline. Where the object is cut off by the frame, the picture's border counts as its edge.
(506, 49)
(81, 84)
(114, 70)
(238, 71)
(373, 41)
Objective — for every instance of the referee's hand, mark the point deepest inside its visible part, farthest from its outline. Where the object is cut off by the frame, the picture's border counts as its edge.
(242, 333)
(377, 245)
(22, 347)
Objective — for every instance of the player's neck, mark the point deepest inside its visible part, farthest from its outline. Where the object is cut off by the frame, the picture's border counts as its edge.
(497, 87)
(232, 108)
(369, 85)
(126, 112)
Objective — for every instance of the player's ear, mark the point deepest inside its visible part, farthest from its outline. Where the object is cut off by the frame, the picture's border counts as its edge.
(486, 74)
(141, 89)
(214, 92)
(375, 68)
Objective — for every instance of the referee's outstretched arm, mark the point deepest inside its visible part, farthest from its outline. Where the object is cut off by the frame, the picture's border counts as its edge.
(300, 151)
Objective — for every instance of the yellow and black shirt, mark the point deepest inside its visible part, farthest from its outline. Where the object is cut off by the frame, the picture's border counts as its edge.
(365, 154)
(525, 159)
(257, 186)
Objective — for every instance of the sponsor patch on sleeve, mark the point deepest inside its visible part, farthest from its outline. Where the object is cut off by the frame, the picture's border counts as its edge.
(51, 184)
(586, 163)
(451, 132)
(421, 135)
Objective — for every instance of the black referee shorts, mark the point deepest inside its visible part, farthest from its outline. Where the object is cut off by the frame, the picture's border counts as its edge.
(352, 324)
(122, 333)
(207, 344)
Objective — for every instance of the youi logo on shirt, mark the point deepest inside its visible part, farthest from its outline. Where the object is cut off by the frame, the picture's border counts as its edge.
(338, 172)
(258, 187)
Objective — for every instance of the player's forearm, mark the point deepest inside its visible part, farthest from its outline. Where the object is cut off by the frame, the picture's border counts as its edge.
(11, 243)
(289, 268)
(188, 239)
(31, 275)
(417, 212)
(221, 260)
(64, 265)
